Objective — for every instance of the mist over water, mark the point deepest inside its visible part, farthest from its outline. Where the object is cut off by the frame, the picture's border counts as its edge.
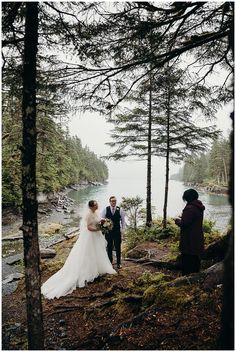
(128, 179)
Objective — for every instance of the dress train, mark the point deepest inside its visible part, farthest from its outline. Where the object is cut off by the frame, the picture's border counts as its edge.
(87, 260)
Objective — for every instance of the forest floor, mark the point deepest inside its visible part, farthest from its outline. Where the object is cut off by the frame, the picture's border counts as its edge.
(133, 310)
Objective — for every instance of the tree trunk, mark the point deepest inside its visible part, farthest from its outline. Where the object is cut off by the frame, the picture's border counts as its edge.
(30, 205)
(225, 171)
(135, 219)
(167, 160)
(149, 166)
(218, 249)
(226, 339)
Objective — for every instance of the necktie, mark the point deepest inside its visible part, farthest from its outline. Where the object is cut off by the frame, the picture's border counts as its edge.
(113, 211)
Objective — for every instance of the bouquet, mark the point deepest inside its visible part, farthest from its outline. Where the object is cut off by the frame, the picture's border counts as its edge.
(105, 225)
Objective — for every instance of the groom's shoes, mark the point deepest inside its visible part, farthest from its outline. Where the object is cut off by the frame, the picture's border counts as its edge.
(119, 266)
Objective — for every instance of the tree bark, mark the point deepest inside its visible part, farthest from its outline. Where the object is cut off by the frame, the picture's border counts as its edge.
(167, 160)
(226, 340)
(29, 195)
(218, 249)
(149, 162)
(225, 171)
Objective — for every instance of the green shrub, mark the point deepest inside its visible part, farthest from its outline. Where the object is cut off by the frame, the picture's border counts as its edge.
(133, 238)
(156, 233)
(210, 233)
(208, 225)
(211, 237)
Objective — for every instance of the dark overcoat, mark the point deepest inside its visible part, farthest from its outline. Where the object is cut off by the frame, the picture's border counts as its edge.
(190, 223)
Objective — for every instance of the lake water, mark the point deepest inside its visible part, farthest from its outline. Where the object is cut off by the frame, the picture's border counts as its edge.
(129, 180)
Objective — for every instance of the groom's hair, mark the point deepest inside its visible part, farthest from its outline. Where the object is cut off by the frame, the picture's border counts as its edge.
(91, 203)
(111, 198)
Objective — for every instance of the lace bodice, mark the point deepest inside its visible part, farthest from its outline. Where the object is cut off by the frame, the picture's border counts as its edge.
(92, 218)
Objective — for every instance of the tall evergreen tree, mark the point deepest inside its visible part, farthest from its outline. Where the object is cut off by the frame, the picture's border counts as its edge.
(205, 29)
(172, 133)
(29, 194)
(212, 167)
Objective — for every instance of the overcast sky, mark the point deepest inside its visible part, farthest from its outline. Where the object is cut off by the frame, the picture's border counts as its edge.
(93, 130)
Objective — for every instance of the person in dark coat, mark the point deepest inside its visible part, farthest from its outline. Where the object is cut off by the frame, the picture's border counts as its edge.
(114, 237)
(191, 234)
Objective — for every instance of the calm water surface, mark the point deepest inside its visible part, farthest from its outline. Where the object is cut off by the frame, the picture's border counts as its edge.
(217, 206)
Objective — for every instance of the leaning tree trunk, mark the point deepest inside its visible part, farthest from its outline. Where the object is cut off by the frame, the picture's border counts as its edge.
(149, 164)
(167, 161)
(226, 340)
(30, 205)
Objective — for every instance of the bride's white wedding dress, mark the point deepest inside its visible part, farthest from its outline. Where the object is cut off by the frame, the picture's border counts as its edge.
(87, 260)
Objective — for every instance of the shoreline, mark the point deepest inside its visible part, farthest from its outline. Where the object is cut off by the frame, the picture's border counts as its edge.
(212, 189)
(47, 202)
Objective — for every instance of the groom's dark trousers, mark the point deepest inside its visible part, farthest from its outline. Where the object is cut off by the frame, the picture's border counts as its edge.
(114, 236)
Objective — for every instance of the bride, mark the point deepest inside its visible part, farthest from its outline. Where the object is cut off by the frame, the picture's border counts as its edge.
(87, 260)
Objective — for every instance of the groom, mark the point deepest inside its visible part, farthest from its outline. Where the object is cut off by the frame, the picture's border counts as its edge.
(113, 237)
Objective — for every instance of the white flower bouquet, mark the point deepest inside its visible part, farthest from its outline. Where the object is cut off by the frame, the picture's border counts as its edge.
(105, 225)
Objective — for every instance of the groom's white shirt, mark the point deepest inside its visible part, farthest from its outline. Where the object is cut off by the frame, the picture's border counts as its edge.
(122, 215)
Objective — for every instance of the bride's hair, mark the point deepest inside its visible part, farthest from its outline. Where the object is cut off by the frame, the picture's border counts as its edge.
(91, 203)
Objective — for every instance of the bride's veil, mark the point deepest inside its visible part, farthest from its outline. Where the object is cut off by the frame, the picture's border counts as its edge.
(84, 221)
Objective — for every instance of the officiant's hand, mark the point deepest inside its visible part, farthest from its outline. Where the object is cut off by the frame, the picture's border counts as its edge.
(178, 221)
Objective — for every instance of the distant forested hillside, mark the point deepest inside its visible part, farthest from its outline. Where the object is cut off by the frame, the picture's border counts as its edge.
(61, 159)
(208, 168)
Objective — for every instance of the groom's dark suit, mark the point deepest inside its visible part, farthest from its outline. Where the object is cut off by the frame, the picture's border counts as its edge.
(114, 236)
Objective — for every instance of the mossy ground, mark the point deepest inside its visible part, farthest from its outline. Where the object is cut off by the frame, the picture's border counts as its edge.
(168, 318)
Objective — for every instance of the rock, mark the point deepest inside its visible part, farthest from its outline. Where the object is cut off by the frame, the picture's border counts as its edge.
(13, 259)
(47, 253)
(137, 253)
(13, 238)
(71, 235)
(74, 232)
(56, 242)
(74, 187)
(42, 198)
(214, 275)
(12, 277)
(42, 212)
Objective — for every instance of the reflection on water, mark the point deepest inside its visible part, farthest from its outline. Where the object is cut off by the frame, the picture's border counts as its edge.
(217, 206)
(213, 199)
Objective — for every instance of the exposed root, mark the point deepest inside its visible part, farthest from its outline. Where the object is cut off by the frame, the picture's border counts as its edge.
(156, 263)
(128, 323)
(105, 294)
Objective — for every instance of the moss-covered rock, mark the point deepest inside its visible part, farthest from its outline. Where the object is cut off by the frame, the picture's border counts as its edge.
(164, 295)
